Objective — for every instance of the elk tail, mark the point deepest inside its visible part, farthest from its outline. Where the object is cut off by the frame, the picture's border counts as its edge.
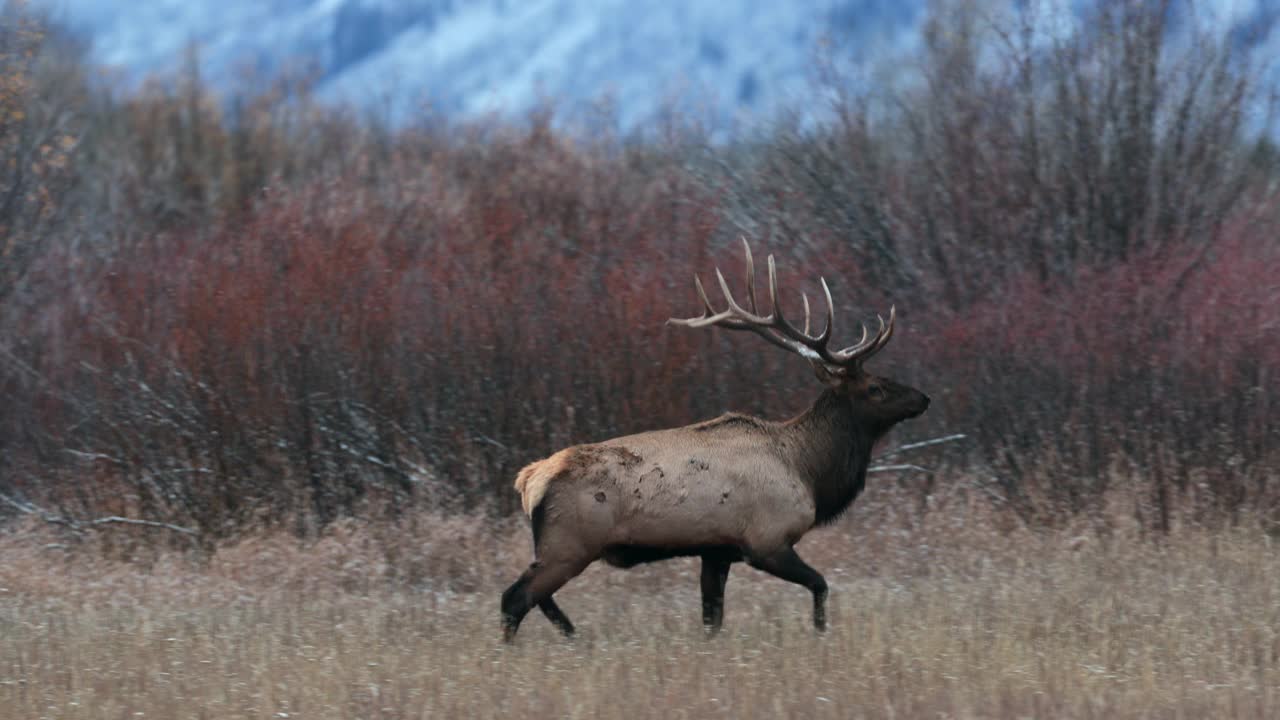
(532, 481)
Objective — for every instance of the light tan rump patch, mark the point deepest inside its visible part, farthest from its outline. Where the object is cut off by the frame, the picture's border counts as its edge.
(532, 481)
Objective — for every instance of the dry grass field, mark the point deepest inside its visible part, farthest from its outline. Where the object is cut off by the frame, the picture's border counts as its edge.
(942, 616)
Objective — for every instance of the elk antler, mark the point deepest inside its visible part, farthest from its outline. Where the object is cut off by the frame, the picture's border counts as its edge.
(775, 328)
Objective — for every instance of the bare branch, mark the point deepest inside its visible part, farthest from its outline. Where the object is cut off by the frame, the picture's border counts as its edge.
(29, 508)
(892, 468)
(922, 443)
(912, 446)
(145, 523)
(93, 456)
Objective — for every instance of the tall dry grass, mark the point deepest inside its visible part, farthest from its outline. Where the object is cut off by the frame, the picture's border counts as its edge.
(952, 613)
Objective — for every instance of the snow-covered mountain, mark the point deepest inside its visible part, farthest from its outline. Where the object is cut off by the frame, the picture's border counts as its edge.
(722, 58)
(725, 60)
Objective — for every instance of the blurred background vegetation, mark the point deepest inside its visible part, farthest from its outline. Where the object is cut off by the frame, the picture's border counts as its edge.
(258, 310)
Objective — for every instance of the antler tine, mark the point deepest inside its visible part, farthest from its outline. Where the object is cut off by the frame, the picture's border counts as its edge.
(805, 297)
(776, 309)
(734, 307)
(709, 315)
(831, 314)
(751, 277)
(856, 345)
(816, 344)
(883, 339)
(863, 343)
(734, 317)
(864, 348)
(783, 325)
(702, 293)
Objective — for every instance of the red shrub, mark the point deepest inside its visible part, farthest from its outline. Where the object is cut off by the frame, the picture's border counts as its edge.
(293, 316)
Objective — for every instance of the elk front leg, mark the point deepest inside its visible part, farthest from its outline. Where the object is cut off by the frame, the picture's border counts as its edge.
(715, 572)
(786, 564)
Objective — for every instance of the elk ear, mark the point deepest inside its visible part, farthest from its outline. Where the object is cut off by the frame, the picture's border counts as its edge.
(829, 377)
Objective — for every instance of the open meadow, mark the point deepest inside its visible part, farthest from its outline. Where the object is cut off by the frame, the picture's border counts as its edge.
(948, 619)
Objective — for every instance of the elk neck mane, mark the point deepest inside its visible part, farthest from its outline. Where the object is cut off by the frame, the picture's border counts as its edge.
(831, 450)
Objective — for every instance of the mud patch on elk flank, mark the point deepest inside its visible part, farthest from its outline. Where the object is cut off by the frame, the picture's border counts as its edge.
(653, 476)
(625, 457)
(585, 457)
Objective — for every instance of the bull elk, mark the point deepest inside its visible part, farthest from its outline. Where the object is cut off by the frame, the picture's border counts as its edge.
(736, 488)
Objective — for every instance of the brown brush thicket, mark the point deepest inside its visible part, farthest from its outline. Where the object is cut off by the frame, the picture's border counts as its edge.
(222, 313)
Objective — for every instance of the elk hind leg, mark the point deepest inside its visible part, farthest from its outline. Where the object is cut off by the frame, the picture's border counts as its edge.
(556, 616)
(787, 565)
(535, 587)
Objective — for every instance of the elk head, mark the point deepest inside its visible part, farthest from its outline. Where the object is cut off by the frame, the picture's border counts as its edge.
(878, 402)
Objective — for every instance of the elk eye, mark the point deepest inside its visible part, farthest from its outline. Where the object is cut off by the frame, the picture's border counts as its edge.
(876, 392)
